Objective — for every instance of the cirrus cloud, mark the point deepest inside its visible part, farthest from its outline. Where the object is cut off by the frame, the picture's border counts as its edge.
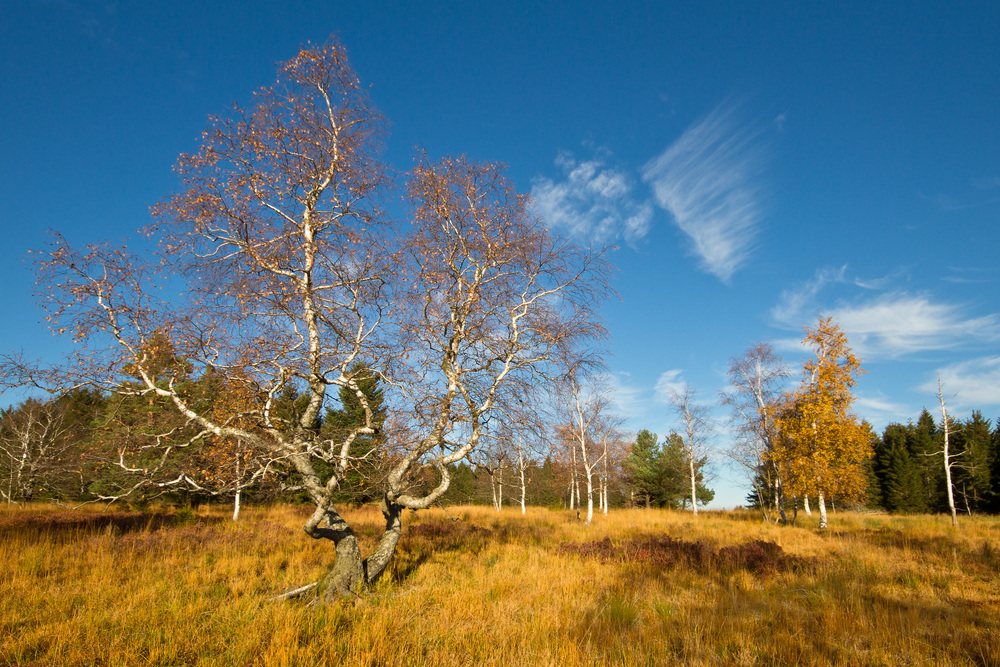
(669, 383)
(977, 382)
(709, 182)
(890, 323)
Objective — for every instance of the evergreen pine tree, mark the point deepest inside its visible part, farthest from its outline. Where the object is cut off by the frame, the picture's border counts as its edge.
(922, 443)
(972, 472)
(366, 467)
(994, 498)
(897, 472)
(643, 468)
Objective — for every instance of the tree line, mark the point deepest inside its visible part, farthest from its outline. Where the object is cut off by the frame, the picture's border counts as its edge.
(907, 471)
(89, 445)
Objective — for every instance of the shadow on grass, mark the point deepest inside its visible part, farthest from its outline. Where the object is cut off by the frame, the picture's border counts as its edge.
(405, 563)
(420, 541)
(466, 536)
(822, 618)
(70, 522)
(758, 557)
(944, 548)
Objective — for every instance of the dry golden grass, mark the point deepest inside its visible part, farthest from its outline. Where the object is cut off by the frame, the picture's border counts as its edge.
(471, 587)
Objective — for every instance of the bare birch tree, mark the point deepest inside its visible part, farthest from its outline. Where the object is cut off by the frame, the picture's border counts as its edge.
(756, 381)
(947, 457)
(696, 430)
(522, 435)
(584, 414)
(34, 448)
(294, 277)
(613, 446)
(492, 458)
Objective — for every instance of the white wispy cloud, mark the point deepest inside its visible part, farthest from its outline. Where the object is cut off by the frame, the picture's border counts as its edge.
(669, 383)
(593, 200)
(899, 323)
(800, 302)
(629, 401)
(982, 193)
(968, 274)
(880, 411)
(892, 323)
(709, 182)
(977, 382)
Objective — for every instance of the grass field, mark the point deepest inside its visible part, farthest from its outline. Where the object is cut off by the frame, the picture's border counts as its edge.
(469, 586)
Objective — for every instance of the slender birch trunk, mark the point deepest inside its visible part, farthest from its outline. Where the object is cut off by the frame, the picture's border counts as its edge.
(604, 480)
(590, 497)
(822, 511)
(965, 497)
(694, 485)
(573, 489)
(779, 499)
(947, 457)
(947, 476)
(524, 485)
(239, 487)
(236, 504)
(496, 487)
(588, 469)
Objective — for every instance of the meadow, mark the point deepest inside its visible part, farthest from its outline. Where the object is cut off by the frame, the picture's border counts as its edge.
(470, 586)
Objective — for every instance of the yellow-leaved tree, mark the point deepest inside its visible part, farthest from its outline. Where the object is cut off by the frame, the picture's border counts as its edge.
(823, 444)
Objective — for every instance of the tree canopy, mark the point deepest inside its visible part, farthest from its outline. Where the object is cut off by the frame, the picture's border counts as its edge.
(298, 290)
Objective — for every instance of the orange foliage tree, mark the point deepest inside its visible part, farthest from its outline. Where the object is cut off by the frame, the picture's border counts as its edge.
(823, 445)
(227, 463)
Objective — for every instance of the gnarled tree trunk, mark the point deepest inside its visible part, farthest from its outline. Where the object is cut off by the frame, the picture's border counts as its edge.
(350, 573)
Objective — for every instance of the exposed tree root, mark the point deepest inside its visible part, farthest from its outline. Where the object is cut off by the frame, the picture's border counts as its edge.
(294, 593)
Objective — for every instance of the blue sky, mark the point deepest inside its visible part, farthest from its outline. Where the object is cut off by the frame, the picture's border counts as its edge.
(756, 163)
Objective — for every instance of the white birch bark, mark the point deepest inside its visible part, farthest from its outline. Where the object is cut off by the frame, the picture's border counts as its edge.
(590, 496)
(947, 457)
(574, 489)
(236, 505)
(524, 485)
(239, 489)
(694, 486)
(604, 478)
(696, 424)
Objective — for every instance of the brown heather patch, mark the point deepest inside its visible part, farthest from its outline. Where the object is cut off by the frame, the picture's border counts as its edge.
(758, 556)
(451, 535)
(67, 520)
